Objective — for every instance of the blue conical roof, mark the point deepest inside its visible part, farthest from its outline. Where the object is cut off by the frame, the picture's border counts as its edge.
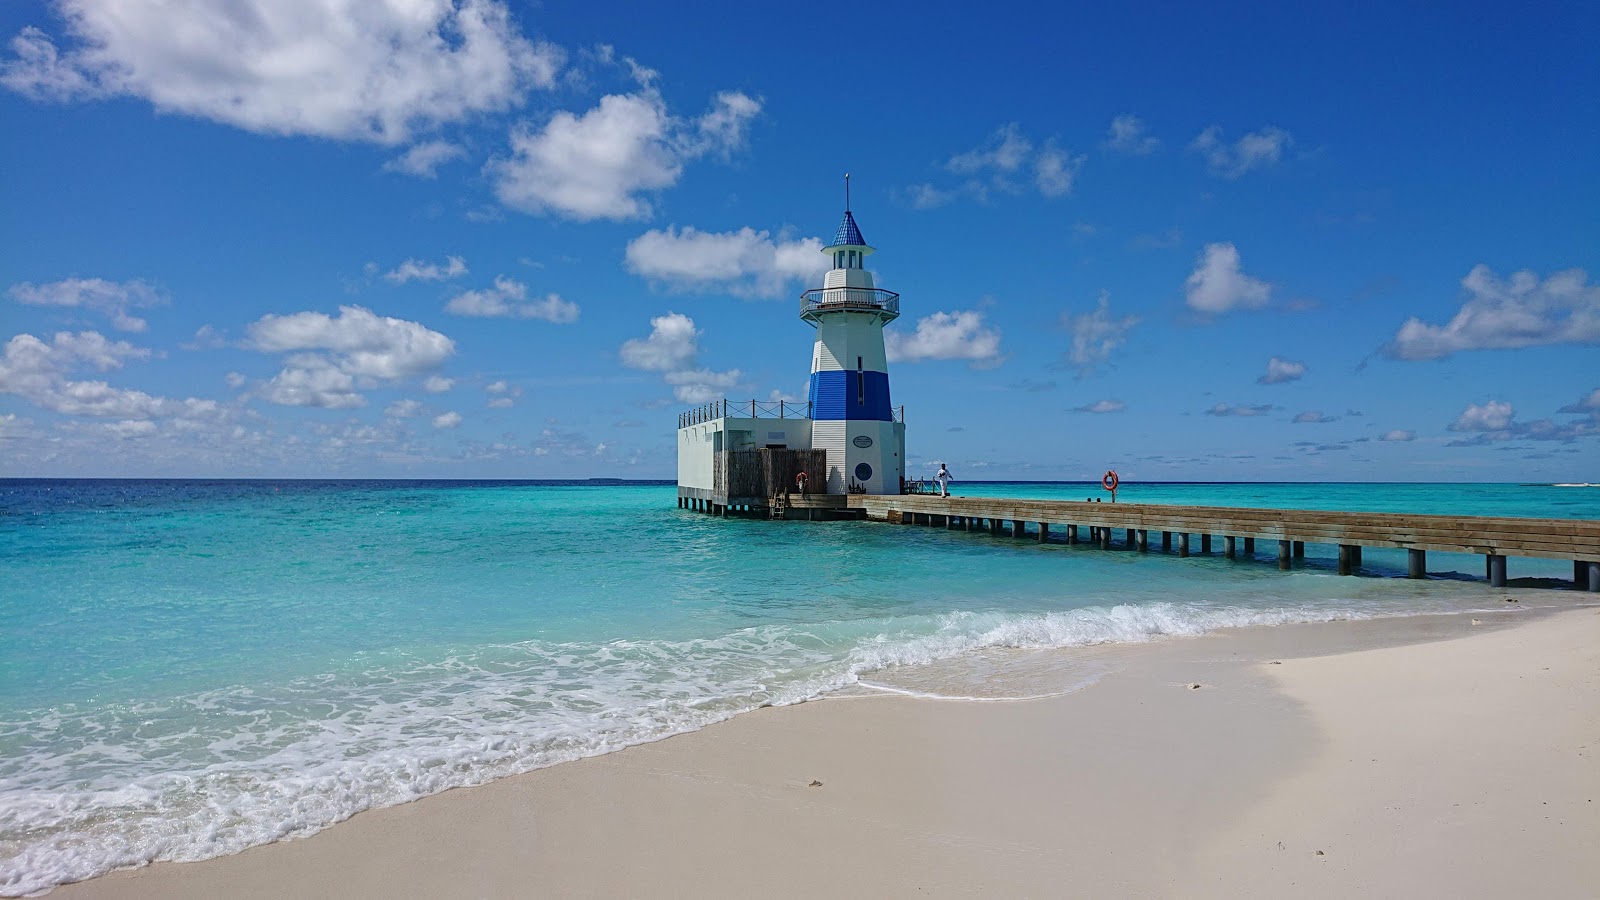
(848, 234)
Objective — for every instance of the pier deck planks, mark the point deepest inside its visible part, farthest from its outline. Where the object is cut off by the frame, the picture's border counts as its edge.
(1575, 539)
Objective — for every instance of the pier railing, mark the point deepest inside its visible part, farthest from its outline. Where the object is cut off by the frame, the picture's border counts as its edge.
(758, 409)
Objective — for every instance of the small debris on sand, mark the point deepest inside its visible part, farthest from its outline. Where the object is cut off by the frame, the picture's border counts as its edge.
(1275, 663)
(1320, 853)
(1476, 622)
(814, 783)
(1195, 686)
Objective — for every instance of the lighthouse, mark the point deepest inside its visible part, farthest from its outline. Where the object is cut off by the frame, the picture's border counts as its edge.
(852, 418)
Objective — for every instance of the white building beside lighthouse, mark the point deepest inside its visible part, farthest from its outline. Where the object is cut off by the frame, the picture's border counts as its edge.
(847, 437)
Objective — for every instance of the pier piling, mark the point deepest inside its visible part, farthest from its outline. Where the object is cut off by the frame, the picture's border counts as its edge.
(1205, 545)
(1416, 563)
(1346, 558)
(1044, 532)
(1144, 541)
(1166, 542)
(1183, 544)
(1283, 556)
(1300, 550)
(1229, 548)
(1497, 570)
(1250, 547)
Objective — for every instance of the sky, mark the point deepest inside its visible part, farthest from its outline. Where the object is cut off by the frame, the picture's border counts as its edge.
(480, 239)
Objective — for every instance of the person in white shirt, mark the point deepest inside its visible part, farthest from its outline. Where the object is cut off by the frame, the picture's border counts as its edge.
(944, 480)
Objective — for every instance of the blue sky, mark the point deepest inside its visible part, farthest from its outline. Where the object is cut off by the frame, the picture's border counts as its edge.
(473, 239)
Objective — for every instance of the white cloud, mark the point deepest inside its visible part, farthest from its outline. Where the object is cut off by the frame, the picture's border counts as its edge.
(40, 373)
(601, 165)
(326, 68)
(1101, 407)
(1506, 314)
(235, 379)
(1590, 403)
(110, 298)
(403, 409)
(1282, 371)
(509, 299)
(1054, 171)
(131, 428)
(672, 349)
(1217, 285)
(1005, 151)
(1253, 151)
(424, 159)
(672, 345)
(362, 343)
(746, 263)
(1096, 334)
(702, 385)
(447, 420)
(1312, 417)
(958, 335)
(1000, 164)
(1127, 135)
(1399, 435)
(315, 382)
(1224, 409)
(437, 384)
(417, 270)
(1491, 416)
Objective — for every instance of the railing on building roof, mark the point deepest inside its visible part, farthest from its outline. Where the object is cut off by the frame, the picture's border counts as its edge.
(758, 409)
(824, 299)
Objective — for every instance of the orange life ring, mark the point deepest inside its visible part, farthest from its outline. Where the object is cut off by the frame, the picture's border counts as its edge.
(800, 477)
(1110, 481)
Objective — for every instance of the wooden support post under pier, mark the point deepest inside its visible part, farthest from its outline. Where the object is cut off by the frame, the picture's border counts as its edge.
(1283, 556)
(1183, 544)
(1044, 532)
(1144, 541)
(1299, 549)
(1346, 558)
(1416, 563)
(1205, 545)
(1594, 577)
(1018, 528)
(1166, 542)
(1128, 539)
(996, 526)
(1250, 547)
(1497, 570)
(1105, 538)
(1072, 534)
(1228, 546)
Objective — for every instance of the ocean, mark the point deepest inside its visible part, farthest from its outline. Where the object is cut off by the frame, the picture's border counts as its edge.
(191, 668)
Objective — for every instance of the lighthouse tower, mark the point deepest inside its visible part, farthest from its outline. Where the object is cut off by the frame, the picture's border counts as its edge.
(852, 418)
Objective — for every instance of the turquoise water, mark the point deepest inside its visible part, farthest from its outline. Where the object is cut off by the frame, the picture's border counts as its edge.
(192, 668)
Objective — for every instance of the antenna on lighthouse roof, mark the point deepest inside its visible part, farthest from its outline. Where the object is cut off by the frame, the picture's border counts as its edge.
(847, 192)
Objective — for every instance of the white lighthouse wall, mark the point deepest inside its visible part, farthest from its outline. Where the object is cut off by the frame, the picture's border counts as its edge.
(698, 444)
(885, 454)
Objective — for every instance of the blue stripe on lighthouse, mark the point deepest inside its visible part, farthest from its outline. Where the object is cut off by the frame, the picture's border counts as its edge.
(835, 395)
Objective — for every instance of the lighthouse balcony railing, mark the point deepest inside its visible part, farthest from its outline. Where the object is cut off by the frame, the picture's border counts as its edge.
(758, 409)
(820, 299)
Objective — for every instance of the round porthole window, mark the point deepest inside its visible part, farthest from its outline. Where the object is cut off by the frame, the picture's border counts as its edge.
(863, 472)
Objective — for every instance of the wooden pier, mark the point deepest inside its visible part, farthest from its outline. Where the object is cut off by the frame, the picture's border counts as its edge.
(1495, 538)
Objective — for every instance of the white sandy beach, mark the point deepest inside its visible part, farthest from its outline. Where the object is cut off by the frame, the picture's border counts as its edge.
(1421, 757)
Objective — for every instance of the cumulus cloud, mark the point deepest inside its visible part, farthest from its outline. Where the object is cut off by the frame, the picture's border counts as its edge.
(331, 357)
(447, 420)
(745, 263)
(1282, 371)
(403, 409)
(1000, 164)
(1253, 151)
(673, 348)
(423, 160)
(672, 345)
(437, 384)
(41, 373)
(1055, 170)
(1398, 435)
(1589, 403)
(110, 298)
(509, 299)
(605, 163)
(1522, 311)
(504, 394)
(417, 270)
(325, 68)
(1096, 334)
(1101, 406)
(1224, 410)
(1312, 417)
(1496, 421)
(958, 335)
(1127, 135)
(1217, 285)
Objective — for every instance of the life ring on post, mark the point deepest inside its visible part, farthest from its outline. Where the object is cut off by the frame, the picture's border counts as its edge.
(800, 481)
(1109, 481)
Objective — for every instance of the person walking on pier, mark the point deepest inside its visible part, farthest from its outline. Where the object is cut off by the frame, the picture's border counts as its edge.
(944, 480)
